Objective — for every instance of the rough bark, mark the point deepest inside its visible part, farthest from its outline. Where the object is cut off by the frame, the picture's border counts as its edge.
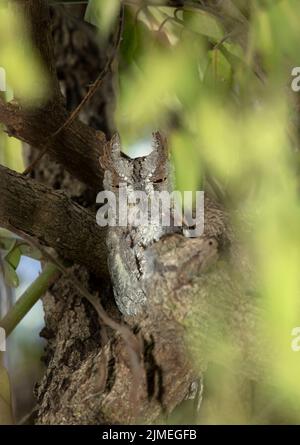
(53, 219)
(77, 147)
(89, 378)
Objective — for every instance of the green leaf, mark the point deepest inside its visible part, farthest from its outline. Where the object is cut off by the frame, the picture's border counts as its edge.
(204, 24)
(4, 233)
(14, 255)
(10, 275)
(6, 243)
(132, 39)
(10, 264)
(102, 13)
(30, 251)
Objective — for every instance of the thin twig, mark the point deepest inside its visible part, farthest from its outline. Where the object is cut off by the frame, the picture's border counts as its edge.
(32, 166)
(140, 9)
(223, 40)
(26, 419)
(167, 19)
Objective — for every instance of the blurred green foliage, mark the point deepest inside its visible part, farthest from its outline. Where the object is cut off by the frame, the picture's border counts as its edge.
(11, 152)
(102, 14)
(25, 76)
(229, 113)
(24, 71)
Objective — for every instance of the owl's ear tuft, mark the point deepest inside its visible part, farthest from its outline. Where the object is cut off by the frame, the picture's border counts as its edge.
(160, 157)
(113, 160)
(159, 142)
(111, 151)
(115, 145)
(105, 157)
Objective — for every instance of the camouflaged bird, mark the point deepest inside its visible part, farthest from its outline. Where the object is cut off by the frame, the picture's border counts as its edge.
(127, 245)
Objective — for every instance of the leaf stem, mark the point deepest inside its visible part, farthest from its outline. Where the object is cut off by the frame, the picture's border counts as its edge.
(29, 298)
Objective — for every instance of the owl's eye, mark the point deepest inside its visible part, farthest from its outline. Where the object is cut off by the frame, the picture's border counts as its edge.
(158, 181)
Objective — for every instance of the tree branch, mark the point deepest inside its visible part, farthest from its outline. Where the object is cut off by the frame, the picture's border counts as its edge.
(52, 218)
(77, 147)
